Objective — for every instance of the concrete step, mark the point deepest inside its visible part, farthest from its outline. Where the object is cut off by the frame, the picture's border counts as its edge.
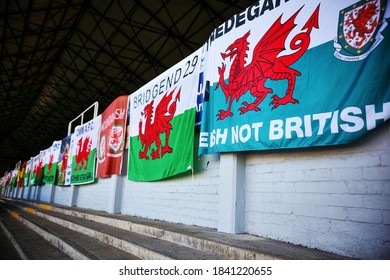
(23, 242)
(7, 248)
(144, 247)
(227, 246)
(73, 244)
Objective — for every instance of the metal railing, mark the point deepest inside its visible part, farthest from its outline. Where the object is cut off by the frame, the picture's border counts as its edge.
(94, 106)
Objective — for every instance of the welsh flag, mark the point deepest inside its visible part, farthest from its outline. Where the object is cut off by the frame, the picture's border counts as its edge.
(37, 171)
(296, 74)
(22, 174)
(162, 119)
(50, 163)
(112, 138)
(8, 179)
(83, 148)
(27, 172)
(3, 181)
(64, 163)
(15, 172)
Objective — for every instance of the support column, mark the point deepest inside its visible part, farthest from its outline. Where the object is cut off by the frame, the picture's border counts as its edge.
(29, 188)
(231, 208)
(115, 200)
(74, 190)
(15, 192)
(52, 192)
(22, 192)
(38, 193)
(34, 194)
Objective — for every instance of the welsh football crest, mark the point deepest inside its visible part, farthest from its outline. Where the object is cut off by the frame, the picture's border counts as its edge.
(102, 149)
(115, 140)
(359, 29)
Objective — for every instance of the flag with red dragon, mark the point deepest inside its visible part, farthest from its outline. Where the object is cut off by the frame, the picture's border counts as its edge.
(64, 163)
(50, 163)
(83, 152)
(37, 170)
(292, 74)
(162, 123)
(27, 173)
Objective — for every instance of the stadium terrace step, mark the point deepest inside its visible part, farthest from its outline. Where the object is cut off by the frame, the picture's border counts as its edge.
(151, 239)
(144, 247)
(73, 244)
(7, 244)
(24, 243)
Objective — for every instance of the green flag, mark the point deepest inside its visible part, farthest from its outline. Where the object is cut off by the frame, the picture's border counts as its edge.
(50, 163)
(83, 146)
(162, 119)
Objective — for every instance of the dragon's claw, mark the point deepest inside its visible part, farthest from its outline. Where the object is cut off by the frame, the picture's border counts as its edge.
(248, 107)
(155, 153)
(221, 70)
(166, 149)
(224, 114)
(277, 101)
(143, 155)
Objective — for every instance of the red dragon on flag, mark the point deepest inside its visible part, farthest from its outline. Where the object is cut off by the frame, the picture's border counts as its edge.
(50, 164)
(39, 167)
(266, 64)
(157, 121)
(83, 150)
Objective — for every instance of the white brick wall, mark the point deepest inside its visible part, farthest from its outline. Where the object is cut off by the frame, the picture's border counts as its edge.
(95, 196)
(45, 193)
(34, 192)
(25, 193)
(62, 195)
(189, 199)
(336, 198)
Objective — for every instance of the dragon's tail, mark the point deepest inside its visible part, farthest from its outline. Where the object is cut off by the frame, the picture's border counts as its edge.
(301, 41)
(171, 109)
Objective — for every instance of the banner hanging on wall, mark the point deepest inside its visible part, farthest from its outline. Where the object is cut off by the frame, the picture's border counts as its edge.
(83, 149)
(21, 174)
(15, 174)
(64, 163)
(162, 119)
(289, 74)
(37, 170)
(27, 172)
(50, 163)
(112, 138)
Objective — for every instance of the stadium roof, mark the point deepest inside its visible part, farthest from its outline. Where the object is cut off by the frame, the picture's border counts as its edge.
(58, 57)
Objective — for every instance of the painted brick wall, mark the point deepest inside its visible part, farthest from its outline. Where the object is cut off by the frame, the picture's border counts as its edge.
(25, 193)
(34, 193)
(45, 192)
(189, 199)
(62, 195)
(19, 192)
(335, 198)
(95, 196)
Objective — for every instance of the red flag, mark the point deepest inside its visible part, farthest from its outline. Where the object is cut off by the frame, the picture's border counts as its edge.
(112, 138)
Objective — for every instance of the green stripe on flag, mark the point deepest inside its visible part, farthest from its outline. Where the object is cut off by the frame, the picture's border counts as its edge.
(181, 140)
